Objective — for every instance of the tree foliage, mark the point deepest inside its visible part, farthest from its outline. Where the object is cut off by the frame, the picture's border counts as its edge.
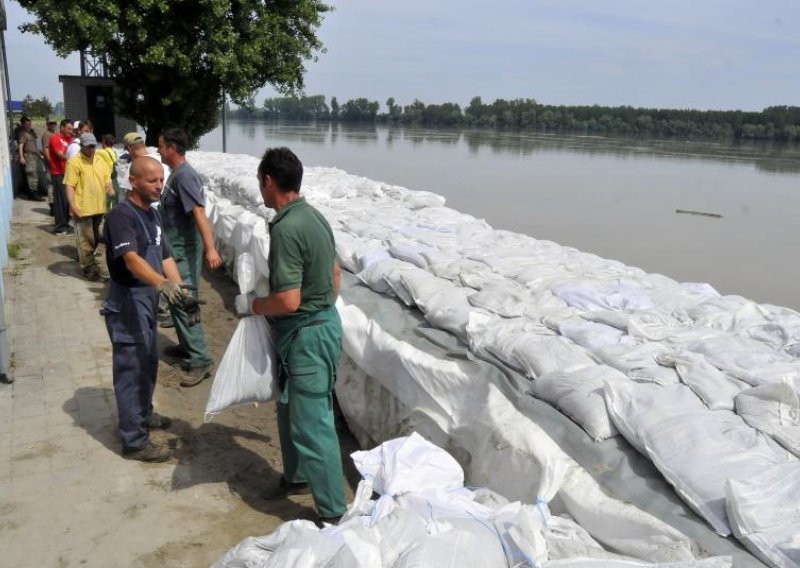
(36, 107)
(172, 59)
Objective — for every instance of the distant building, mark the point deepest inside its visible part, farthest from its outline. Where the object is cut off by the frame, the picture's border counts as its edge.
(91, 95)
(15, 107)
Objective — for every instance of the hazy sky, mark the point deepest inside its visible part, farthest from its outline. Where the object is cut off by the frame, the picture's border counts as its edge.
(725, 54)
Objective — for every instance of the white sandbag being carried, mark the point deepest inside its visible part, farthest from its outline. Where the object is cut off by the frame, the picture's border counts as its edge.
(248, 371)
(764, 512)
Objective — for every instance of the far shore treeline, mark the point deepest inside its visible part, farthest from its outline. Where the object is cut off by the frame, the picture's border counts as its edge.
(778, 123)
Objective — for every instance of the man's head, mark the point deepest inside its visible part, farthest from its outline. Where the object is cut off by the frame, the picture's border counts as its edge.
(88, 144)
(85, 126)
(66, 128)
(147, 180)
(108, 140)
(279, 173)
(172, 144)
(135, 144)
(25, 122)
(51, 125)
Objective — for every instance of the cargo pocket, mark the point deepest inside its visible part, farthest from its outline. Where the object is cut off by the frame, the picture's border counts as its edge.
(308, 373)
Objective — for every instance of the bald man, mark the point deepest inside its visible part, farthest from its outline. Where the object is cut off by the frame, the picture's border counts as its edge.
(141, 266)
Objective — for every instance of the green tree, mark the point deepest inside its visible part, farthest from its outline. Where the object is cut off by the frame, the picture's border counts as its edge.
(36, 107)
(334, 109)
(172, 59)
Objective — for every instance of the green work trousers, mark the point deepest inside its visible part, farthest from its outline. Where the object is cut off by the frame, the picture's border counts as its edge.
(308, 348)
(187, 251)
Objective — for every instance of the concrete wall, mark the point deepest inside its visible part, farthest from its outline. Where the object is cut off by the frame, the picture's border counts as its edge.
(6, 207)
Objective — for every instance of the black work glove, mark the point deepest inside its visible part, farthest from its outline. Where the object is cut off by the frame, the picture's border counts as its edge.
(172, 292)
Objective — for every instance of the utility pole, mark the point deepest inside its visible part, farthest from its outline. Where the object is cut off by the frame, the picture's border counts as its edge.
(224, 138)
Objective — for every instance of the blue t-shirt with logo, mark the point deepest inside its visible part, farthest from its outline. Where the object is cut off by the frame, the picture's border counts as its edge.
(124, 233)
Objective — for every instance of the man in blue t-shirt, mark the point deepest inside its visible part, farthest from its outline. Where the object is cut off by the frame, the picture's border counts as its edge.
(141, 266)
(189, 233)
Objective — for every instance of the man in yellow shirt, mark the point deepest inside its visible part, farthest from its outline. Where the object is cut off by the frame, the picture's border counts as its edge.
(88, 182)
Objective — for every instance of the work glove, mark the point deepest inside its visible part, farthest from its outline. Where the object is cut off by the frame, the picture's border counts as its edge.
(244, 304)
(173, 293)
(191, 306)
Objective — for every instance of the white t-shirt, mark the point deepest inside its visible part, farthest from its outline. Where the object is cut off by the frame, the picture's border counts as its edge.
(73, 149)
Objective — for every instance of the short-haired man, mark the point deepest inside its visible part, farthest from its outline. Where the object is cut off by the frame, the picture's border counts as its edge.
(189, 232)
(134, 147)
(88, 181)
(304, 283)
(29, 158)
(57, 154)
(140, 264)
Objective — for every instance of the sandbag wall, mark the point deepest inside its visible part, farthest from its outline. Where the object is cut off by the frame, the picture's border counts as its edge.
(705, 386)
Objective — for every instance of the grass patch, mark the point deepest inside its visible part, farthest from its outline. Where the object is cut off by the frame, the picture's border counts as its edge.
(14, 250)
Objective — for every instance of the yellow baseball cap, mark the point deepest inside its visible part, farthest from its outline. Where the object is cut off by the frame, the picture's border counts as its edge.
(132, 139)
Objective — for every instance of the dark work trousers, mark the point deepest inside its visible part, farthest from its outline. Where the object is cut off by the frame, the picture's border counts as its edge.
(130, 314)
(60, 203)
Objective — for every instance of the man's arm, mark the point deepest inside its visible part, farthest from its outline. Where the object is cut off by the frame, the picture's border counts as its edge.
(20, 151)
(73, 207)
(212, 257)
(278, 303)
(146, 273)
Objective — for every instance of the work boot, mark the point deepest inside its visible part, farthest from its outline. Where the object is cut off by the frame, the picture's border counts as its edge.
(284, 489)
(195, 375)
(176, 352)
(149, 454)
(158, 422)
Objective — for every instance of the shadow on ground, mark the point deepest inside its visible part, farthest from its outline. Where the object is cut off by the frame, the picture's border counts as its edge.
(210, 453)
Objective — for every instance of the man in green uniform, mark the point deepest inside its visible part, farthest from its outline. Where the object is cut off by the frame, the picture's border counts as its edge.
(304, 283)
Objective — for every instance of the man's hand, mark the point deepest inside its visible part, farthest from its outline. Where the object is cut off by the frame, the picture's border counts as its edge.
(172, 292)
(75, 211)
(22, 160)
(212, 259)
(244, 304)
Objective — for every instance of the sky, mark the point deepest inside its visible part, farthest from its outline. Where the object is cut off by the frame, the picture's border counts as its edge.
(706, 54)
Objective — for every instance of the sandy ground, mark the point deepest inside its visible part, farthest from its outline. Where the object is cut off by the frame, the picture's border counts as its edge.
(83, 505)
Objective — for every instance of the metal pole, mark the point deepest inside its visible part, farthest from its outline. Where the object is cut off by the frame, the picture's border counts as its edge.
(224, 138)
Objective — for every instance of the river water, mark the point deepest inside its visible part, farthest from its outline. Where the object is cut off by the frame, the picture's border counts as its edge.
(619, 198)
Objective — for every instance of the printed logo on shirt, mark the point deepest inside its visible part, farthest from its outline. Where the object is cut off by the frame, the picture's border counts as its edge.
(120, 245)
(158, 235)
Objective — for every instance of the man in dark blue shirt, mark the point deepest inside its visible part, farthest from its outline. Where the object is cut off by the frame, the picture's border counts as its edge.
(140, 265)
(189, 233)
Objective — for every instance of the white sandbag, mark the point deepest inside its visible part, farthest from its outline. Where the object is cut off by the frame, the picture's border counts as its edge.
(374, 275)
(764, 512)
(713, 562)
(245, 272)
(422, 285)
(664, 421)
(774, 410)
(551, 354)
(248, 371)
(579, 394)
(408, 464)
(504, 299)
(467, 544)
(410, 252)
(716, 389)
(639, 361)
(747, 359)
(256, 551)
(393, 277)
(591, 335)
(421, 199)
(449, 310)
(604, 296)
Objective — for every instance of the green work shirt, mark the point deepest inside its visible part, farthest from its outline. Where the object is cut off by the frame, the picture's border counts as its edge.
(301, 255)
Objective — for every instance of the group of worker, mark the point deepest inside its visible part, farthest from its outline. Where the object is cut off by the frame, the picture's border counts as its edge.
(156, 240)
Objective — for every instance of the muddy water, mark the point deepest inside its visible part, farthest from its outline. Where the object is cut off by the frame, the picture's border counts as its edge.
(630, 200)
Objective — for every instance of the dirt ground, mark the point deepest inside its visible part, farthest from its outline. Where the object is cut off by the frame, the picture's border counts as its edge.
(207, 499)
